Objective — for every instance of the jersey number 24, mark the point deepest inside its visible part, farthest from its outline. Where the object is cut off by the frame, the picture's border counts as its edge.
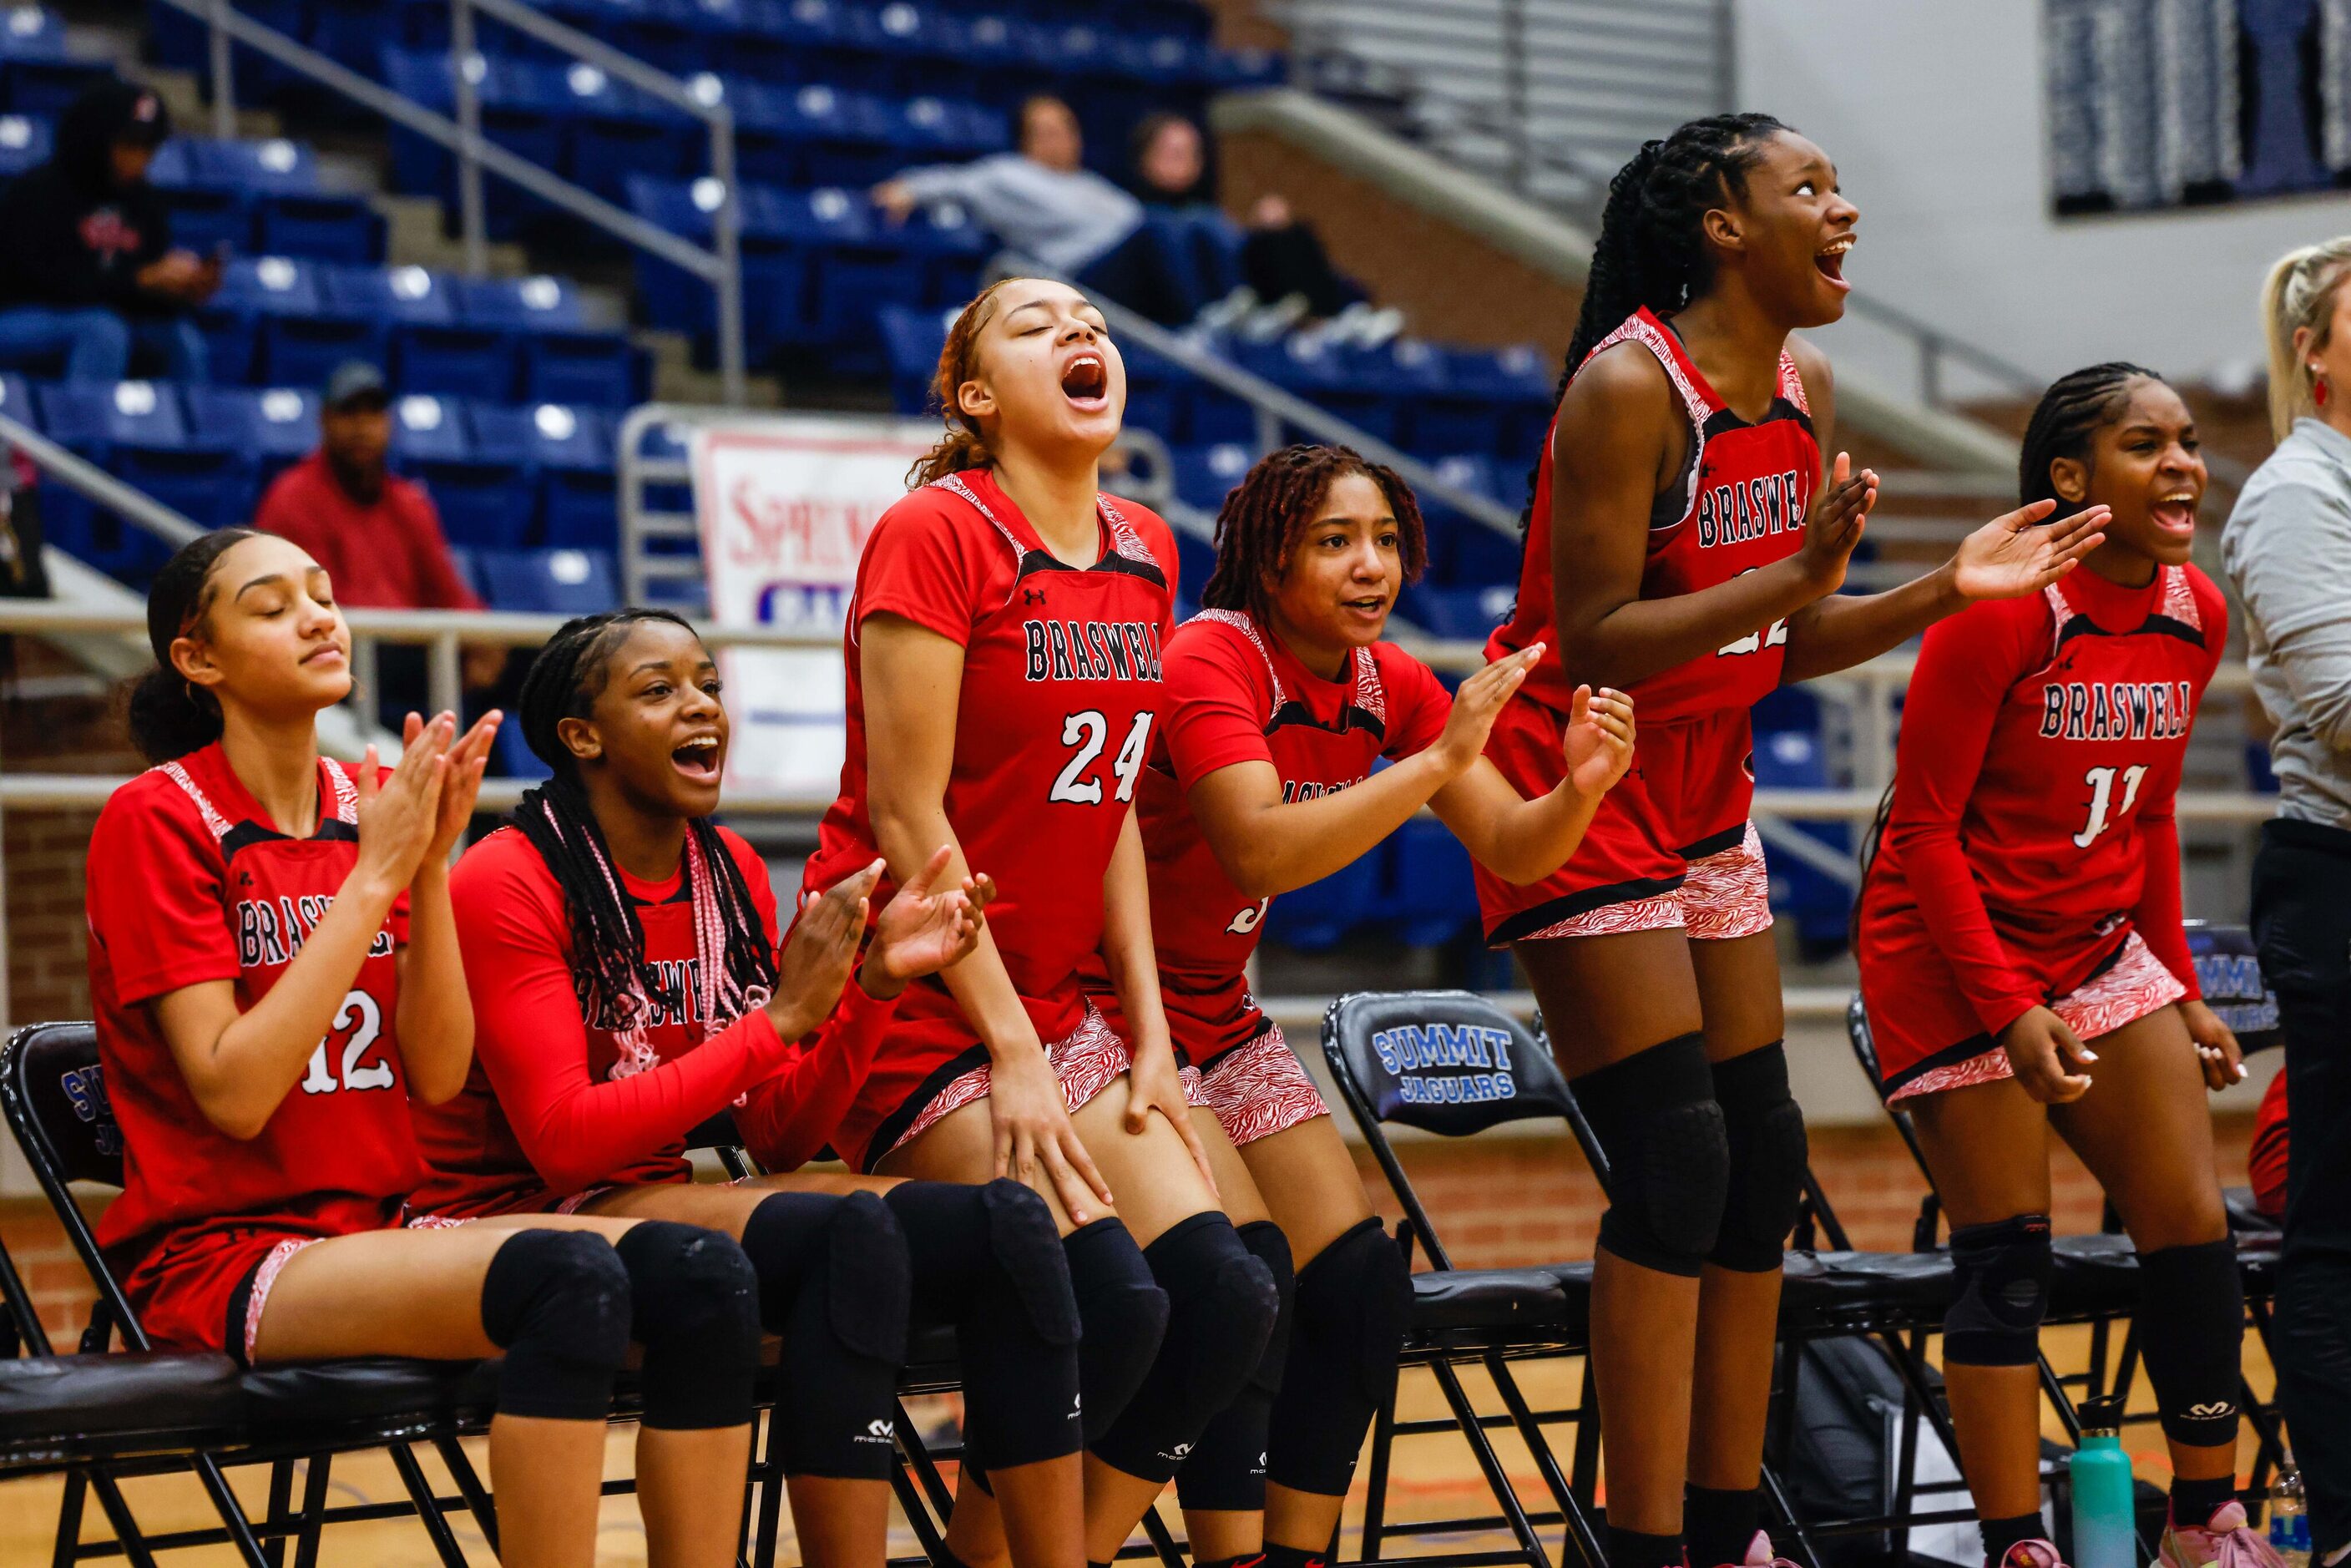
(1088, 730)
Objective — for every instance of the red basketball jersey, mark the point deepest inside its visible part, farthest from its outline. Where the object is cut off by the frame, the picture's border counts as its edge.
(2052, 729)
(1237, 693)
(539, 1063)
(1747, 488)
(189, 881)
(1060, 688)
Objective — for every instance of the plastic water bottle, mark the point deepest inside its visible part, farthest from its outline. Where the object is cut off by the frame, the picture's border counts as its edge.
(2289, 1519)
(2104, 1533)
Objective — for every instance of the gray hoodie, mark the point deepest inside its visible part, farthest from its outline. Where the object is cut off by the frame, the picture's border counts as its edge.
(2287, 551)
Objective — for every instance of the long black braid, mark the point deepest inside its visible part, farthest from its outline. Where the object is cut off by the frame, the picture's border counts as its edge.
(1651, 249)
(2064, 424)
(608, 941)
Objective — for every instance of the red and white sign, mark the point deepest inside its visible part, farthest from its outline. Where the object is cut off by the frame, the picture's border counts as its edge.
(784, 506)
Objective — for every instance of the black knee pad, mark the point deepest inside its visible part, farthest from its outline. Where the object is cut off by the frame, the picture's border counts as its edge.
(2191, 1329)
(2000, 1292)
(1764, 1128)
(1669, 1155)
(1354, 1306)
(987, 1259)
(1225, 1471)
(1220, 1310)
(556, 1301)
(835, 1286)
(696, 1308)
(1122, 1315)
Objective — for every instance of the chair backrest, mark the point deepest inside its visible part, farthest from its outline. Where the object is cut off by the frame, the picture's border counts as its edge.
(1447, 1062)
(55, 1099)
(2229, 973)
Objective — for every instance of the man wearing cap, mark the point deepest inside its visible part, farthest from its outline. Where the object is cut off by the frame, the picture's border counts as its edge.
(377, 533)
(87, 270)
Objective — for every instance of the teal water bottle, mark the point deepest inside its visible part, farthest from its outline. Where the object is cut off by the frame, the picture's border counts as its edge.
(2104, 1517)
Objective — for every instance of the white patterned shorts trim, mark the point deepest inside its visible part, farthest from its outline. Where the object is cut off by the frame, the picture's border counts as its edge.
(2133, 986)
(1260, 1088)
(1085, 1061)
(265, 1275)
(1724, 895)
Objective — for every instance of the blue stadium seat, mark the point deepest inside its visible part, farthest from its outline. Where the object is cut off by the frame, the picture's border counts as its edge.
(206, 215)
(519, 303)
(551, 581)
(16, 400)
(323, 224)
(1205, 474)
(25, 140)
(611, 130)
(94, 418)
(1319, 917)
(38, 74)
(276, 428)
(434, 349)
(1788, 756)
(1466, 615)
(485, 497)
(1430, 894)
(911, 341)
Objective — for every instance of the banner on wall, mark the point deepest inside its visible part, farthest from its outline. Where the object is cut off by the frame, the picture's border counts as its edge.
(784, 506)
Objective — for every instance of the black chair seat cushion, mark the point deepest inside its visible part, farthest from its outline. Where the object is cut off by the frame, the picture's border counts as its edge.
(1832, 1291)
(366, 1392)
(1488, 1298)
(57, 1406)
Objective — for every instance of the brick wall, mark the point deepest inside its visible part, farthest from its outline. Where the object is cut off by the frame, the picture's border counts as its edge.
(47, 935)
(52, 1274)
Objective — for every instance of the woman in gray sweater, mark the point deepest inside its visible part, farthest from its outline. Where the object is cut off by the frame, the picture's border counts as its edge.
(2287, 549)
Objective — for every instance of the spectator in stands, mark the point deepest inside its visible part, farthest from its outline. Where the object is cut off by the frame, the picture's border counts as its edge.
(376, 533)
(88, 271)
(1263, 278)
(2287, 551)
(1045, 205)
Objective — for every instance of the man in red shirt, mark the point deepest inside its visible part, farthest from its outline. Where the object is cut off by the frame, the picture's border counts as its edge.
(376, 533)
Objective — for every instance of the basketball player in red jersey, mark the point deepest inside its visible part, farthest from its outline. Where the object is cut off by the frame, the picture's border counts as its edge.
(2023, 965)
(274, 969)
(1282, 698)
(1683, 545)
(1003, 659)
(614, 896)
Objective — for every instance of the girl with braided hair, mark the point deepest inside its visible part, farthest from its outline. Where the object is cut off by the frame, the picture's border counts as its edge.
(621, 954)
(2024, 969)
(276, 970)
(1281, 700)
(1684, 544)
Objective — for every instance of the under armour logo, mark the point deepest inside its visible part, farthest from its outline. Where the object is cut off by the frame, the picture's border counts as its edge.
(1032, 596)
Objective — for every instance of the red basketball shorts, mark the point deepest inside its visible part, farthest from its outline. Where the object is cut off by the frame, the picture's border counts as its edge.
(1669, 847)
(205, 1288)
(1247, 1073)
(1929, 1038)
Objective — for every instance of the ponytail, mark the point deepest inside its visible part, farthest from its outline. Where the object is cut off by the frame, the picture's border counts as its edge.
(1652, 248)
(2300, 293)
(167, 714)
(964, 445)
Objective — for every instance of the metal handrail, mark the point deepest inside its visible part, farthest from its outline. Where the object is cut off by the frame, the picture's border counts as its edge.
(720, 266)
(80, 475)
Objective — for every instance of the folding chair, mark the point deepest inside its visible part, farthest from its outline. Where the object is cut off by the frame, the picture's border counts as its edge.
(54, 1098)
(1452, 1063)
(2095, 1277)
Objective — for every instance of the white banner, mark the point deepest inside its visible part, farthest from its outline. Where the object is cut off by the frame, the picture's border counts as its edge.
(785, 504)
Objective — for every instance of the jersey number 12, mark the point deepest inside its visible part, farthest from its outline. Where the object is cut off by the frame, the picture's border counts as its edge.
(2100, 781)
(1087, 731)
(364, 1019)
